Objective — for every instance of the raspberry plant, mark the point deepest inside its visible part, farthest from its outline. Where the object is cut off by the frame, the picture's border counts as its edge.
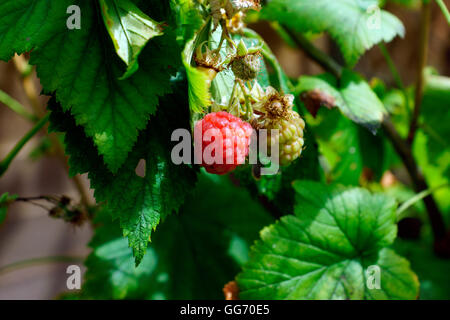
(135, 71)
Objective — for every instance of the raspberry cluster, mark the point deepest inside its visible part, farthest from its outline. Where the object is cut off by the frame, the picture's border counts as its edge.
(222, 137)
(232, 136)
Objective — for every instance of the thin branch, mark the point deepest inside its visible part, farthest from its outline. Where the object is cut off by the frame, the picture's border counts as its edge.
(396, 75)
(401, 210)
(423, 55)
(27, 199)
(248, 106)
(403, 149)
(28, 85)
(4, 164)
(444, 10)
(324, 60)
(16, 106)
(36, 261)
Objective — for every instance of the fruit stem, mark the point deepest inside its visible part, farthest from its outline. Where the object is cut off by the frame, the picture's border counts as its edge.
(248, 107)
(249, 84)
(226, 35)
(222, 38)
(230, 102)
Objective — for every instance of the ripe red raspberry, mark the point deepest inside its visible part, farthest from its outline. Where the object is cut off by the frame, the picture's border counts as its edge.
(234, 135)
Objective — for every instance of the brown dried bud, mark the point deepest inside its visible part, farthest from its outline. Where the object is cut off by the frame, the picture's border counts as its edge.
(208, 59)
(315, 99)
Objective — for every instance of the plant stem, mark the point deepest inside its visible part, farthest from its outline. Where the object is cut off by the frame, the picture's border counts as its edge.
(226, 35)
(405, 152)
(26, 199)
(248, 107)
(36, 261)
(404, 149)
(423, 55)
(416, 198)
(30, 89)
(314, 53)
(16, 106)
(391, 65)
(4, 164)
(233, 92)
(396, 75)
(444, 10)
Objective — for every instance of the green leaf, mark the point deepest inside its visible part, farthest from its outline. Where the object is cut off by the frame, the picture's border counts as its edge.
(353, 97)
(27, 24)
(111, 270)
(326, 248)
(339, 145)
(130, 30)
(192, 31)
(222, 84)
(431, 270)
(199, 83)
(139, 203)
(80, 66)
(355, 25)
(189, 18)
(191, 256)
(146, 200)
(347, 148)
(5, 200)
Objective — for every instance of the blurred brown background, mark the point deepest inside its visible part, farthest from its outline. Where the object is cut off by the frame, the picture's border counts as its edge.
(29, 232)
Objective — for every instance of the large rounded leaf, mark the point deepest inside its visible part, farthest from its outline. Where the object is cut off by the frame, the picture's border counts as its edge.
(334, 247)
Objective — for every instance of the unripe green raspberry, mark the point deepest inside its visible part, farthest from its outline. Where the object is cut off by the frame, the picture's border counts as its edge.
(276, 113)
(246, 68)
(246, 63)
(289, 137)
